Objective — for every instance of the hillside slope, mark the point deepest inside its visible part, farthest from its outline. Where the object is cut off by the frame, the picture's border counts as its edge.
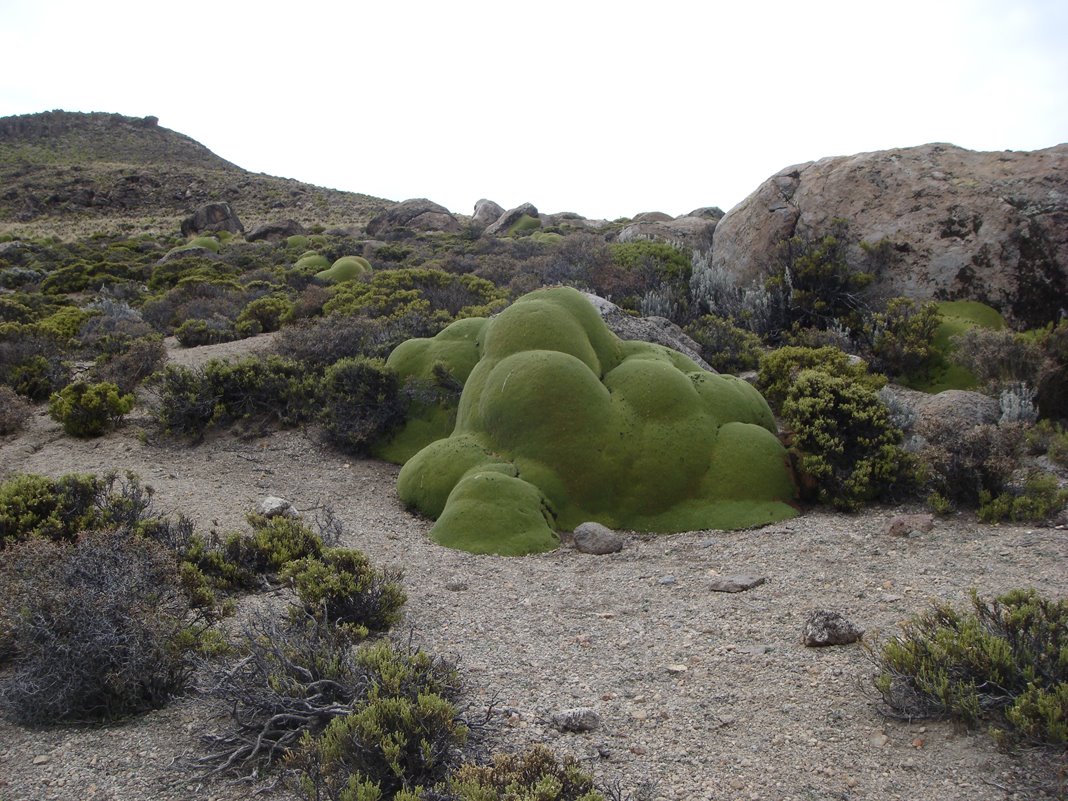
(69, 174)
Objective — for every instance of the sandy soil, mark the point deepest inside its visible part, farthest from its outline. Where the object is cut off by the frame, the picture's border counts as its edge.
(703, 695)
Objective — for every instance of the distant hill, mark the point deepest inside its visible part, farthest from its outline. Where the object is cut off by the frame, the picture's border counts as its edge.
(70, 174)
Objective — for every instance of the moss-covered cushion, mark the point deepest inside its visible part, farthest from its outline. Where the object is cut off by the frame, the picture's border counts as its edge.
(561, 422)
(345, 269)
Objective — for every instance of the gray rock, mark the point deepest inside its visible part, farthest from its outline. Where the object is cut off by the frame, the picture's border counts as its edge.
(962, 224)
(579, 719)
(667, 581)
(510, 218)
(275, 231)
(593, 538)
(682, 232)
(651, 216)
(212, 217)
(825, 627)
(657, 330)
(909, 525)
(417, 214)
(737, 583)
(273, 506)
(487, 212)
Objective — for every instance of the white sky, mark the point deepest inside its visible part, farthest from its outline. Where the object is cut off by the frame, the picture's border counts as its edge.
(604, 108)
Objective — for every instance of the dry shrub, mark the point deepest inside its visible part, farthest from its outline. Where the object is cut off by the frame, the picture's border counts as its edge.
(962, 464)
(137, 362)
(14, 411)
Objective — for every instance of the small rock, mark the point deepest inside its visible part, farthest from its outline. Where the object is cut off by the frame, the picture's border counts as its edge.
(456, 585)
(638, 750)
(909, 525)
(676, 669)
(579, 719)
(878, 739)
(754, 650)
(272, 506)
(41, 759)
(737, 583)
(593, 538)
(825, 627)
(667, 581)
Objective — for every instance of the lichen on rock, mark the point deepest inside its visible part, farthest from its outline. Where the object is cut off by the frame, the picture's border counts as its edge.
(561, 422)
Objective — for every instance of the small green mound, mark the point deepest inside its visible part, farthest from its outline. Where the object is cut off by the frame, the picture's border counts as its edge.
(207, 242)
(345, 269)
(312, 262)
(561, 422)
(524, 225)
(957, 317)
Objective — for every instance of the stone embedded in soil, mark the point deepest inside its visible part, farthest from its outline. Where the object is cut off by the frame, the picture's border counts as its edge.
(909, 525)
(825, 627)
(594, 538)
(736, 583)
(273, 506)
(579, 719)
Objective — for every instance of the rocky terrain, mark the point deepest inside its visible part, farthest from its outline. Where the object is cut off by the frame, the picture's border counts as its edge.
(701, 694)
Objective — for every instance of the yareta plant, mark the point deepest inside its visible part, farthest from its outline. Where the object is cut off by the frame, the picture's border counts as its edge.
(561, 422)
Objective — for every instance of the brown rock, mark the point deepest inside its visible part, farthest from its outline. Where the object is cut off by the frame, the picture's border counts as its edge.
(906, 525)
(825, 627)
(736, 583)
(963, 224)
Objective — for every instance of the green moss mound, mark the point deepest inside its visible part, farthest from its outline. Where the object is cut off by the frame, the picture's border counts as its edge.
(524, 226)
(561, 422)
(956, 317)
(345, 269)
(312, 263)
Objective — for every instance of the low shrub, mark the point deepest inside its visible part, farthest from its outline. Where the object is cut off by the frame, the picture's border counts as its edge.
(89, 410)
(33, 364)
(850, 451)
(726, 347)
(361, 403)
(266, 313)
(193, 332)
(341, 587)
(1051, 439)
(1039, 500)
(780, 368)
(998, 357)
(185, 401)
(14, 411)
(323, 341)
(33, 506)
(535, 774)
(1003, 663)
(404, 733)
(130, 366)
(961, 465)
(103, 629)
(901, 337)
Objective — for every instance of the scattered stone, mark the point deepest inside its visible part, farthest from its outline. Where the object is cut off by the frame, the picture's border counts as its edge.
(825, 627)
(754, 650)
(41, 759)
(212, 217)
(456, 585)
(667, 581)
(909, 525)
(737, 583)
(275, 231)
(677, 669)
(878, 739)
(593, 538)
(579, 719)
(273, 506)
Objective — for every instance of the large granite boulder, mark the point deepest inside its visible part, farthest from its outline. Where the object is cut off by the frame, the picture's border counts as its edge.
(417, 214)
(504, 223)
(962, 224)
(275, 231)
(487, 212)
(212, 217)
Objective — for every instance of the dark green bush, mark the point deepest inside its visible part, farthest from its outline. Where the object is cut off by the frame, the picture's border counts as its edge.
(726, 347)
(323, 341)
(998, 358)
(268, 388)
(341, 587)
(1039, 501)
(185, 403)
(267, 312)
(404, 733)
(88, 410)
(850, 450)
(194, 333)
(361, 403)
(103, 629)
(902, 337)
(1004, 663)
(533, 774)
(33, 506)
(962, 466)
(33, 364)
(417, 290)
(780, 368)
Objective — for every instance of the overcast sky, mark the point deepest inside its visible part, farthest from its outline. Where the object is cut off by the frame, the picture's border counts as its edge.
(604, 108)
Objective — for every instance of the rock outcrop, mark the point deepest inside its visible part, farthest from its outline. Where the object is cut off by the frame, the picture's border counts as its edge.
(692, 231)
(658, 330)
(506, 221)
(959, 224)
(487, 212)
(417, 214)
(275, 231)
(212, 217)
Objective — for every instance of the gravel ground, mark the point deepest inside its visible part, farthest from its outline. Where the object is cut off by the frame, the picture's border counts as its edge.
(700, 694)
